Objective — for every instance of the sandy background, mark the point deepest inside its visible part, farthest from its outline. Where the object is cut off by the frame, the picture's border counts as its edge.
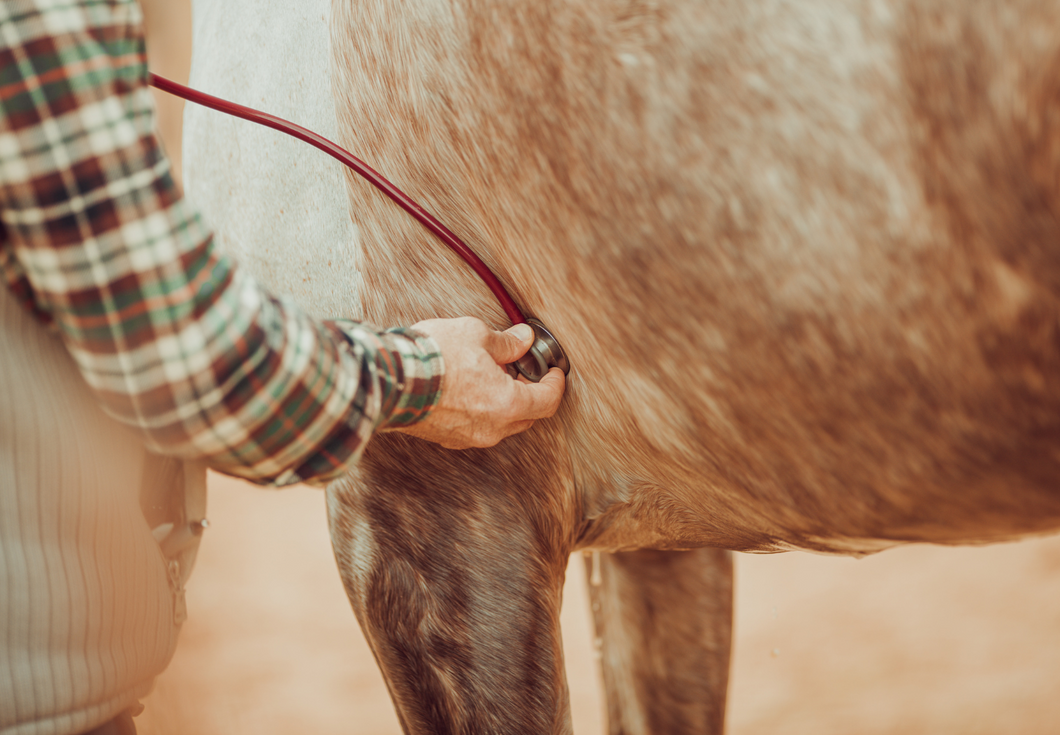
(916, 640)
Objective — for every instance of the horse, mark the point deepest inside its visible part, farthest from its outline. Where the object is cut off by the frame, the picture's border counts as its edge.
(800, 258)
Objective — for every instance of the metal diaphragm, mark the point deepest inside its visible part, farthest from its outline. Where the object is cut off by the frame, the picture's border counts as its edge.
(545, 353)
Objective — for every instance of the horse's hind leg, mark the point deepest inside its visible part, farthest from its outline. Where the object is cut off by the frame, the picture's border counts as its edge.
(454, 564)
(664, 623)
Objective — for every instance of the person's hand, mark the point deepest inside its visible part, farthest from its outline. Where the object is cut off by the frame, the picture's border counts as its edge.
(481, 403)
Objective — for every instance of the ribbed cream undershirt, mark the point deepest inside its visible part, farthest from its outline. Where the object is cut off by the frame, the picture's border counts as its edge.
(86, 608)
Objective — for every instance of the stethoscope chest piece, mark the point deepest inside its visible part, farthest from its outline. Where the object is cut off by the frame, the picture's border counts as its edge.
(545, 353)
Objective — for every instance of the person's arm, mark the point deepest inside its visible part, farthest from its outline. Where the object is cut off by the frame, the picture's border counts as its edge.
(172, 336)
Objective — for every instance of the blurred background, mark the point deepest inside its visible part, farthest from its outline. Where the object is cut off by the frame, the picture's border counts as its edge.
(914, 640)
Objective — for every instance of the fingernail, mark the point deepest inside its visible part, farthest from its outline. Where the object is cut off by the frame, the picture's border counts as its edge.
(522, 332)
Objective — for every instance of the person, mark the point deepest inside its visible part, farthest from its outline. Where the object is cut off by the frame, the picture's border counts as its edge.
(134, 354)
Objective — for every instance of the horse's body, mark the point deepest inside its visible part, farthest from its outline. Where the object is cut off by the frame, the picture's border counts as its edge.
(803, 257)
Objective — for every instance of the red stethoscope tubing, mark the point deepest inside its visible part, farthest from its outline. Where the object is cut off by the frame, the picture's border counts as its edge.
(425, 218)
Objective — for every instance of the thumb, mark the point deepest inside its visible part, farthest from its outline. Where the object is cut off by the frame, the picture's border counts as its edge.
(511, 344)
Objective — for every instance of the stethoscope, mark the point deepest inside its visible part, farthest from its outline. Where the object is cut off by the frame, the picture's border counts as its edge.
(545, 353)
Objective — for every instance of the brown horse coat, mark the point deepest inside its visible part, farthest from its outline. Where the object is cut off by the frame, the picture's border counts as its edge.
(804, 259)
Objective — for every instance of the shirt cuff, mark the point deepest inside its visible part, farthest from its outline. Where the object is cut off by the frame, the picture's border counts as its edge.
(413, 366)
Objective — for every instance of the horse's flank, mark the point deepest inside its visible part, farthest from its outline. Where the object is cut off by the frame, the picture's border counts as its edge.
(804, 261)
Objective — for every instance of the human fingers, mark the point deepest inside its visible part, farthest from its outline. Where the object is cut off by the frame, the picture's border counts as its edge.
(516, 427)
(511, 344)
(539, 400)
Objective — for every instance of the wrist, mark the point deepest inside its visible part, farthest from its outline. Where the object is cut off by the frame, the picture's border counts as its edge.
(418, 386)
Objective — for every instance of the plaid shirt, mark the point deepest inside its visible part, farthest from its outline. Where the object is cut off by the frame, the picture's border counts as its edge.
(172, 336)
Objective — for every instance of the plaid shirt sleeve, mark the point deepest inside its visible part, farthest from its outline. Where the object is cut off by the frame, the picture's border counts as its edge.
(173, 337)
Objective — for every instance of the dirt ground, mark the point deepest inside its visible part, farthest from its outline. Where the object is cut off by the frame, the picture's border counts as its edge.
(915, 640)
